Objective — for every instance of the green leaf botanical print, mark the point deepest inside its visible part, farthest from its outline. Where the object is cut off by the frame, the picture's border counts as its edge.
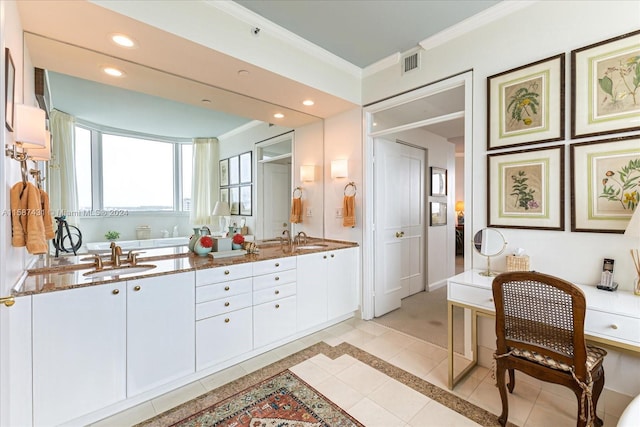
(524, 196)
(623, 186)
(621, 80)
(523, 104)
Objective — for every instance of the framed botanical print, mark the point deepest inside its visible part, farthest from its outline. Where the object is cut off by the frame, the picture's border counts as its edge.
(245, 167)
(438, 181)
(526, 189)
(224, 172)
(224, 195)
(245, 200)
(234, 170)
(234, 200)
(438, 213)
(605, 184)
(525, 105)
(605, 87)
(9, 88)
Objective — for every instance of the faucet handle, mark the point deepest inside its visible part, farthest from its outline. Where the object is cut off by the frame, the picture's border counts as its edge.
(132, 257)
(97, 260)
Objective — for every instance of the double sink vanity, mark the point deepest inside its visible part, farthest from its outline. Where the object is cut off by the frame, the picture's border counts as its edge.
(120, 335)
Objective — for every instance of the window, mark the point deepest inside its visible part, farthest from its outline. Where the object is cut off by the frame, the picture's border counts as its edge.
(119, 171)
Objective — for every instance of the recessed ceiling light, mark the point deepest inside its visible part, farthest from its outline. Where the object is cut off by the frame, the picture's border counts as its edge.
(308, 102)
(122, 40)
(278, 115)
(114, 72)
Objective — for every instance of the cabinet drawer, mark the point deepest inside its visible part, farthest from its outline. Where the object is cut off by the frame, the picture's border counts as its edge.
(222, 274)
(274, 293)
(223, 290)
(222, 337)
(471, 295)
(273, 279)
(222, 305)
(274, 265)
(611, 325)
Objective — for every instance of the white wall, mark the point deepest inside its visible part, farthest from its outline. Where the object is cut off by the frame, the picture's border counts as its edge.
(503, 45)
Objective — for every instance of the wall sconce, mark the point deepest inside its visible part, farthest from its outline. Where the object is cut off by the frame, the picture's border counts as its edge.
(41, 154)
(29, 131)
(307, 173)
(339, 168)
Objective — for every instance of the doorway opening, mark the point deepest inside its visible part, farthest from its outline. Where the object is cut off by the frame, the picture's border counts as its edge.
(441, 114)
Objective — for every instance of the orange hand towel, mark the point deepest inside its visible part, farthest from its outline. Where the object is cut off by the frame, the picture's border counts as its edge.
(296, 210)
(27, 218)
(46, 212)
(349, 211)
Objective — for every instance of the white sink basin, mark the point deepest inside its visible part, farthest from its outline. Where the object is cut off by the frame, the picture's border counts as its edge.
(117, 271)
(316, 246)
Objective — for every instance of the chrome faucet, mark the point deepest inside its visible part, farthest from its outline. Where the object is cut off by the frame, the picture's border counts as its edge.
(301, 238)
(116, 252)
(288, 240)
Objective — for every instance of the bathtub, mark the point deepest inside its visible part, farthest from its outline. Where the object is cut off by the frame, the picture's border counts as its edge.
(99, 247)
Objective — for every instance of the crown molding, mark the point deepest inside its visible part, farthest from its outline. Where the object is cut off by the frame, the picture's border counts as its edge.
(384, 63)
(245, 127)
(243, 14)
(474, 22)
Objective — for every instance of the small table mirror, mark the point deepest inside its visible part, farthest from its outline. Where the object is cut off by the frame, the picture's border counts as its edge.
(489, 242)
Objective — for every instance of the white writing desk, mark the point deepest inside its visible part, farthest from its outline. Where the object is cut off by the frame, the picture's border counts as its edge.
(612, 318)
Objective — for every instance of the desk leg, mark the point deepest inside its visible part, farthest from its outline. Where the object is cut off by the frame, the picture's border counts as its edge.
(450, 342)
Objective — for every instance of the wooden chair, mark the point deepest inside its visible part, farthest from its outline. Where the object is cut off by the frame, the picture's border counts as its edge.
(540, 331)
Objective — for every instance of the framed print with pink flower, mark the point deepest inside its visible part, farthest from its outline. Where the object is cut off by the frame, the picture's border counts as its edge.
(605, 184)
(605, 87)
(526, 189)
(525, 105)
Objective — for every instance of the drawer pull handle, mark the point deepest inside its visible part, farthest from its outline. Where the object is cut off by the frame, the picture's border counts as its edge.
(136, 288)
(226, 288)
(226, 272)
(324, 257)
(614, 326)
(277, 305)
(226, 320)
(277, 292)
(226, 304)
(115, 291)
(277, 278)
(277, 264)
(332, 255)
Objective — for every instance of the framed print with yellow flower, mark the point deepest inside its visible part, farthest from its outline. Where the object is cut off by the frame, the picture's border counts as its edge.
(525, 105)
(605, 87)
(526, 189)
(605, 184)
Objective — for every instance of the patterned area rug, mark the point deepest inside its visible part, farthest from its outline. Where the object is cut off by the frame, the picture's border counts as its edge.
(281, 401)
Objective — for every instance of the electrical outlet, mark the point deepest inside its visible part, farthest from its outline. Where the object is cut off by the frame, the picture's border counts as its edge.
(339, 213)
(309, 212)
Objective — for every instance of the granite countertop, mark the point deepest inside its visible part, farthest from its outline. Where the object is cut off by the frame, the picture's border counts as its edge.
(56, 274)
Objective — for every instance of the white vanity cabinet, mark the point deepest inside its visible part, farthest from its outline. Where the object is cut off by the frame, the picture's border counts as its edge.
(160, 330)
(327, 286)
(224, 317)
(79, 351)
(274, 300)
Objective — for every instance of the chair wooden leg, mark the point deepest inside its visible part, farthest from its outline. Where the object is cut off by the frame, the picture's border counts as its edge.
(502, 419)
(597, 390)
(512, 380)
(582, 405)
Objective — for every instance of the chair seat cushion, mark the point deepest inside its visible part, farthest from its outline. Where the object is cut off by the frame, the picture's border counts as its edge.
(594, 356)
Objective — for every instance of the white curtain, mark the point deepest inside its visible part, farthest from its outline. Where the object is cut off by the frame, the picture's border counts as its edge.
(63, 190)
(204, 190)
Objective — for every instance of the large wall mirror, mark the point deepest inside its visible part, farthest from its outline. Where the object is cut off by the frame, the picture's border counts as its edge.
(153, 101)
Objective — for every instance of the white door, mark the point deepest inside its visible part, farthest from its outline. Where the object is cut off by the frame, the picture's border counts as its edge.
(399, 217)
(277, 200)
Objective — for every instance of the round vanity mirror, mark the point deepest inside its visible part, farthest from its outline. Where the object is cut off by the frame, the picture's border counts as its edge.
(489, 242)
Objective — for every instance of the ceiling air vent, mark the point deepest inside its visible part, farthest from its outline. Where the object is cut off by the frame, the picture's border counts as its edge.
(410, 62)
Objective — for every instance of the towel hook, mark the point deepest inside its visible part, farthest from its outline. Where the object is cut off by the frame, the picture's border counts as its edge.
(297, 193)
(350, 186)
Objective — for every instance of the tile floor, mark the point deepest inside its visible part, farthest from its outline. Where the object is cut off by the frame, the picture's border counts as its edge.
(377, 400)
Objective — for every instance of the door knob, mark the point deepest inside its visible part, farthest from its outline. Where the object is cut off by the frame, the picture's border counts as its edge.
(7, 301)
(399, 234)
